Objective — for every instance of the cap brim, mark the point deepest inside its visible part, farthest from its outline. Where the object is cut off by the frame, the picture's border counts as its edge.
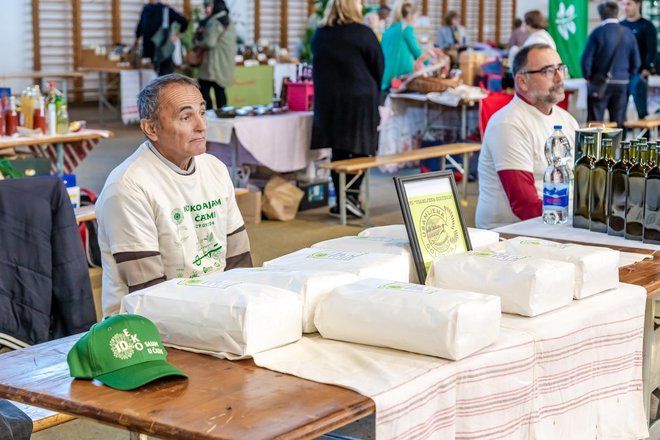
(137, 375)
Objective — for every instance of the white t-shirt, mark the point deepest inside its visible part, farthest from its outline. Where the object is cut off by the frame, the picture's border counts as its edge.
(515, 140)
(146, 206)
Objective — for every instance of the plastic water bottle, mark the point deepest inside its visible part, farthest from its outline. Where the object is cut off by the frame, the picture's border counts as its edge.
(556, 180)
(332, 195)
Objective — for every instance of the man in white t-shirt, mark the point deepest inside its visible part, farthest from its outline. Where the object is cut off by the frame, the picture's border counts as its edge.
(169, 210)
(512, 160)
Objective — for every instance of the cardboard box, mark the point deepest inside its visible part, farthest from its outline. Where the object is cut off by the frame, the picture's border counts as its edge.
(470, 62)
(250, 206)
(316, 194)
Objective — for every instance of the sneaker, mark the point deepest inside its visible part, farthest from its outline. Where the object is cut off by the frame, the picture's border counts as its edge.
(352, 211)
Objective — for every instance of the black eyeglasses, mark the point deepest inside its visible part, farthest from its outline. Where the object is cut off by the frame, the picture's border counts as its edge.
(550, 71)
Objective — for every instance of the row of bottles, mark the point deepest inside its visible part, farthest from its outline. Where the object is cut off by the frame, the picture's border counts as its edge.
(620, 198)
(34, 111)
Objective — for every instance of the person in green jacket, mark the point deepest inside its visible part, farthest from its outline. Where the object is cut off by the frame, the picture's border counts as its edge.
(402, 53)
(216, 34)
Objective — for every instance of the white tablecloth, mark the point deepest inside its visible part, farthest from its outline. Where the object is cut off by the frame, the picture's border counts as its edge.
(535, 227)
(280, 142)
(574, 373)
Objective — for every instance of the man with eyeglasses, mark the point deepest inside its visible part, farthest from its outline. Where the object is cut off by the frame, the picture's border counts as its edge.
(512, 159)
(611, 52)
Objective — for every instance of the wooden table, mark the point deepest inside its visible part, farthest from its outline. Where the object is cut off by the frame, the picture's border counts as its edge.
(644, 125)
(220, 400)
(74, 146)
(40, 74)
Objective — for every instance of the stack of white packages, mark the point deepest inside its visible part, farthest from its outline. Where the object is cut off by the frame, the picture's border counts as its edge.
(479, 238)
(379, 244)
(362, 264)
(221, 318)
(310, 285)
(527, 286)
(595, 267)
(451, 324)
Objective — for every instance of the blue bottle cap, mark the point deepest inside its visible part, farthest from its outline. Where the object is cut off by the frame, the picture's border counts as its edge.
(556, 127)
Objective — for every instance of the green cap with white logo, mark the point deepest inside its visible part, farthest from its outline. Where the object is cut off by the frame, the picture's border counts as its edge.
(122, 352)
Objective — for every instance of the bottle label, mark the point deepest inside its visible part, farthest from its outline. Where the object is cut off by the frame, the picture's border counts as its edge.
(555, 194)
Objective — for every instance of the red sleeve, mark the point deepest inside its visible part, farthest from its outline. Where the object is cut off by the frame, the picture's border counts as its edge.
(521, 192)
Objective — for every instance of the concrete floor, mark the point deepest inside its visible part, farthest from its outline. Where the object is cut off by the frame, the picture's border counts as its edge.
(269, 239)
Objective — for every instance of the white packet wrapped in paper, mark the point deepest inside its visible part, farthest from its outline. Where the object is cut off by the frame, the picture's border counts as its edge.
(479, 238)
(446, 323)
(596, 268)
(221, 318)
(382, 245)
(310, 285)
(362, 264)
(527, 286)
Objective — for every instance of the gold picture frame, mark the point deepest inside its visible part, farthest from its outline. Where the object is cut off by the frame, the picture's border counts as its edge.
(433, 217)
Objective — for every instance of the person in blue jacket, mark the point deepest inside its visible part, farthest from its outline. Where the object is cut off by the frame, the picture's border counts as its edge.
(610, 41)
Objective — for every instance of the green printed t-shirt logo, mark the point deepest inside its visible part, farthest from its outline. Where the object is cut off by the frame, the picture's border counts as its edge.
(123, 352)
(177, 216)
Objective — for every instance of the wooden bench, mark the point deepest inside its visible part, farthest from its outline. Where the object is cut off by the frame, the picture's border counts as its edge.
(644, 125)
(43, 418)
(360, 165)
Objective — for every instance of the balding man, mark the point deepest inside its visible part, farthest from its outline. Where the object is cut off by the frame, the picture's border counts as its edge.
(512, 160)
(169, 210)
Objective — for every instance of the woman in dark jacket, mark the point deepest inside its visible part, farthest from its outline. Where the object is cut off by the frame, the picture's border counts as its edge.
(348, 68)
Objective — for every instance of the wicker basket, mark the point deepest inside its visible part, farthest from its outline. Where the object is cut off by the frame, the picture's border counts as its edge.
(424, 84)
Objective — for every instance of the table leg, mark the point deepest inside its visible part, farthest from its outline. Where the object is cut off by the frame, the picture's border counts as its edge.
(234, 160)
(443, 163)
(466, 174)
(101, 97)
(463, 122)
(60, 159)
(342, 198)
(366, 198)
(648, 369)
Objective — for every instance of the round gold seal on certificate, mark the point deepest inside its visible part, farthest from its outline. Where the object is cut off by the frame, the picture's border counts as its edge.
(438, 230)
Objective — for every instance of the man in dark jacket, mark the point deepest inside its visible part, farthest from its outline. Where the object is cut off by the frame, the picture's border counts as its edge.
(610, 43)
(647, 43)
(151, 21)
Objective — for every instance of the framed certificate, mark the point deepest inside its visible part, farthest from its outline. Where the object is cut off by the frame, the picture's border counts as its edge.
(433, 217)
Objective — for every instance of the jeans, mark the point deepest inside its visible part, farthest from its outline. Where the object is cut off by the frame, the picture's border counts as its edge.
(615, 100)
(639, 89)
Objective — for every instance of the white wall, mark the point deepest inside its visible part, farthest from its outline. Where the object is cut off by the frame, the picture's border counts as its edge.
(530, 5)
(17, 52)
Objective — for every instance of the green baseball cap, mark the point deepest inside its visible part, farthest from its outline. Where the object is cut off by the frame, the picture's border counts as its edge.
(122, 352)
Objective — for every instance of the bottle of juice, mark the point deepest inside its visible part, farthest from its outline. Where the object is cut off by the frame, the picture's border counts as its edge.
(11, 117)
(39, 117)
(27, 107)
(62, 115)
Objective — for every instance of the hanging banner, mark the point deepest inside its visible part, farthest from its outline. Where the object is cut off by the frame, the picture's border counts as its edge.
(567, 23)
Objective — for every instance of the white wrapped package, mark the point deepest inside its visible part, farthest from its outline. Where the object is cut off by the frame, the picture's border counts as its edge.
(451, 324)
(310, 285)
(479, 238)
(528, 286)
(596, 268)
(362, 264)
(221, 318)
(383, 245)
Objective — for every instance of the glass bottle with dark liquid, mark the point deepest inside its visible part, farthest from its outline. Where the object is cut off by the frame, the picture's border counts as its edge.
(582, 190)
(616, 222)
(635, 196)
(600, 183)
(652, 201)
